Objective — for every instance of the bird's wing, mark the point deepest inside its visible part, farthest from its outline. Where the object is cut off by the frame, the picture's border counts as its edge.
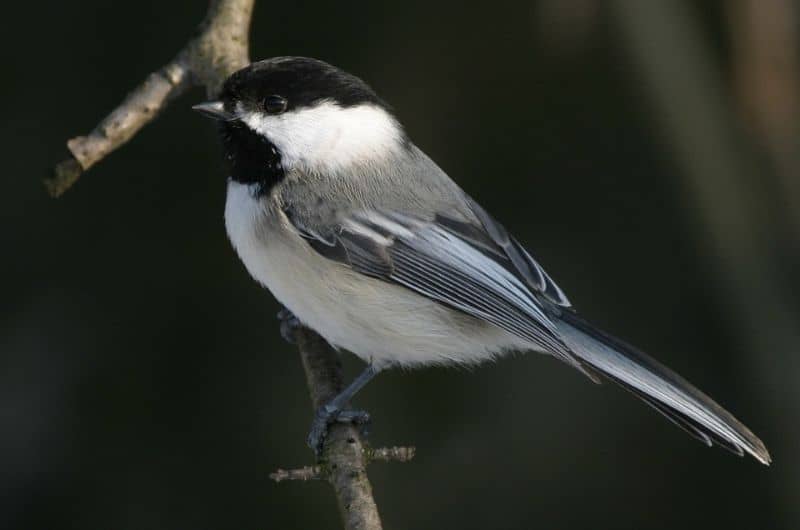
(480, 270)
(476, 269)
(521, 262)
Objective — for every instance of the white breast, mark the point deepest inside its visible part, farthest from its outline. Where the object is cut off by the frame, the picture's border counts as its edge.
(376, 320)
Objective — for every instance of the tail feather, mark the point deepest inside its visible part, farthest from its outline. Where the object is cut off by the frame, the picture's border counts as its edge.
(659, 387)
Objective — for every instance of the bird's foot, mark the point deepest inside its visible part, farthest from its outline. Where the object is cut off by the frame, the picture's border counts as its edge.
(329, 414)
(289, 323)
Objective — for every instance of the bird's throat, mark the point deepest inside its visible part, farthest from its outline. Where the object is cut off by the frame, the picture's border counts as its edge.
(251, 158)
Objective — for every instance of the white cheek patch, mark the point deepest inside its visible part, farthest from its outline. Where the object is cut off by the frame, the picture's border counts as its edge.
(328, 137)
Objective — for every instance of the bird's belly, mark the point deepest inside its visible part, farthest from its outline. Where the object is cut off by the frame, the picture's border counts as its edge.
(374, 319)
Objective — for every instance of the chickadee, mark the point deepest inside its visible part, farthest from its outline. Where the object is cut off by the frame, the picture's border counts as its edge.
(368, 242)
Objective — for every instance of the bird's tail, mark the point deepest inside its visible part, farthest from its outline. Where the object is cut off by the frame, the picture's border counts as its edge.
(659, 387)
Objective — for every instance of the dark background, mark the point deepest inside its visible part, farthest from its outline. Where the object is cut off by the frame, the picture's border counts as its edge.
(645, 155)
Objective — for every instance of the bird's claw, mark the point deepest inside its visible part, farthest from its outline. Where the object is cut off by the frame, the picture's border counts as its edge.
(289, 323)
(327, 415)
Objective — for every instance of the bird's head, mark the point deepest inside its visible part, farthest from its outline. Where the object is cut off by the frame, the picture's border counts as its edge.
(296, 113)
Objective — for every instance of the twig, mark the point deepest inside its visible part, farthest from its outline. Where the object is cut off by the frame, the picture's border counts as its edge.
(391, 454)
(382, 454)
(302, 473)
(219, 48)
(137, 110)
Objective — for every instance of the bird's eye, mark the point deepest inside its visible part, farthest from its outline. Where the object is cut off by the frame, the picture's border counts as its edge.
(274, 104)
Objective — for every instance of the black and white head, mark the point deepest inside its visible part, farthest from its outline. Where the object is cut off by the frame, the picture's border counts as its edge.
(295, 113)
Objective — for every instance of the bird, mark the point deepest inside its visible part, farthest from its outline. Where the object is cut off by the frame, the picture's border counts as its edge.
(362, 238)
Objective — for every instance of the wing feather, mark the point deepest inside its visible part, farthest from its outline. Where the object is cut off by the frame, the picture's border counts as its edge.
(456, 263)
(479, 269)
(525, 265)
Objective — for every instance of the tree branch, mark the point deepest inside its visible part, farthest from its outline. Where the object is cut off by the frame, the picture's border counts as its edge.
(343, 453)
(391, 454)
(301, 473)
(138, 109)
(383, 454)
(219, 48)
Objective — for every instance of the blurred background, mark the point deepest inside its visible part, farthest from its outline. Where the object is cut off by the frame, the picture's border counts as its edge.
(645, 151)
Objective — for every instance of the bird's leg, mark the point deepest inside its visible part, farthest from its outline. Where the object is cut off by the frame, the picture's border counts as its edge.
(334, 411)
(289, 323)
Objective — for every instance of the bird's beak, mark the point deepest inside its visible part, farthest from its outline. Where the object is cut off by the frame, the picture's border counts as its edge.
(214, 110)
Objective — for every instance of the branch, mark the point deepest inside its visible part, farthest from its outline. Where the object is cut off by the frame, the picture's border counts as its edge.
(383, 454)
(138, 109)
(302, 473)
(391, 454)
(343, 453)
(219, 48)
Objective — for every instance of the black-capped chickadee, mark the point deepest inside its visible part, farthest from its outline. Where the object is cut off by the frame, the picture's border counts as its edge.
(368, 242)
